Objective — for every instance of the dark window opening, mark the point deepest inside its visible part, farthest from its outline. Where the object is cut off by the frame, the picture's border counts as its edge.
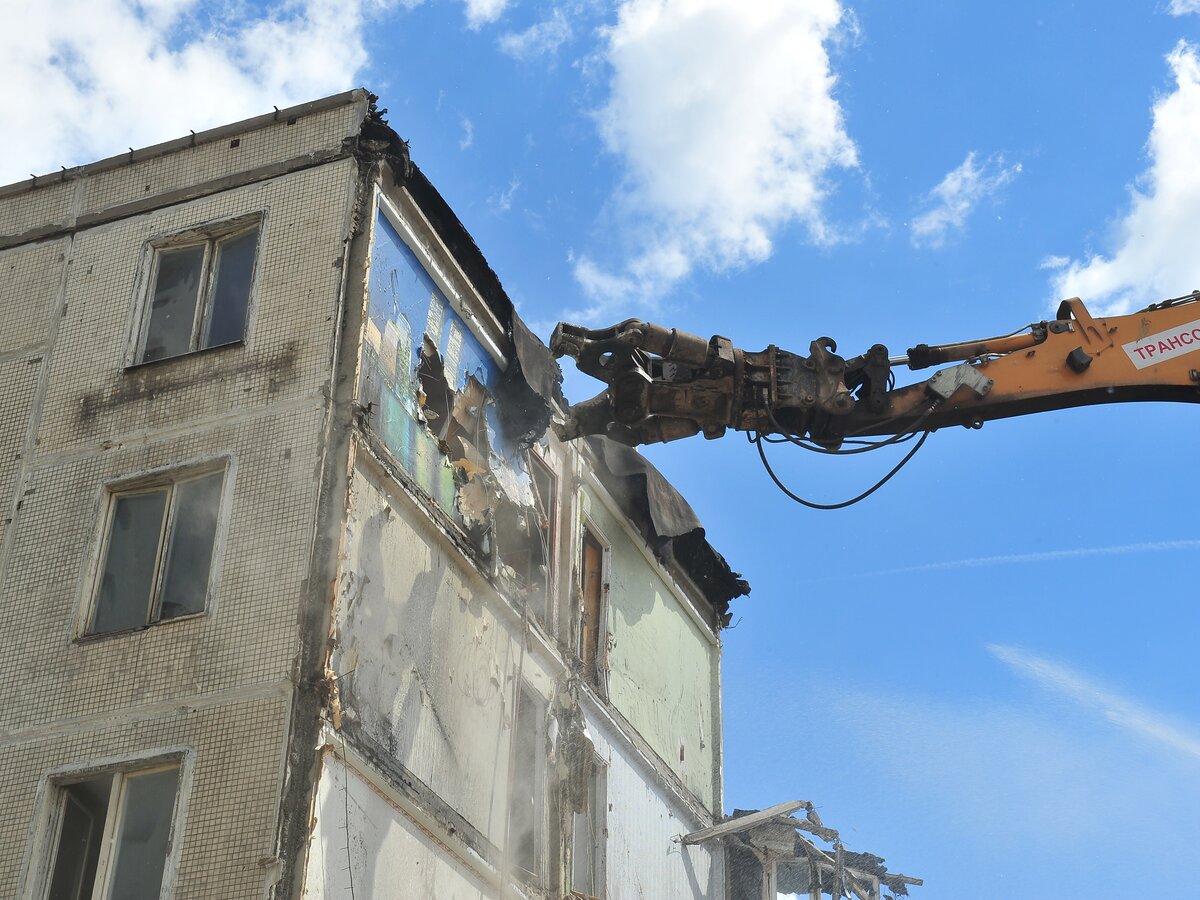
(113, 835)
(519, 545)
(158, 553)
(199, 294)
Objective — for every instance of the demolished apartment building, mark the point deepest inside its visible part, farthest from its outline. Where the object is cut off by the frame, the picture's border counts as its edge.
(303, 598)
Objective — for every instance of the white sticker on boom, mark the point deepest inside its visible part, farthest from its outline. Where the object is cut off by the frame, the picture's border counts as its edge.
(1165, 345)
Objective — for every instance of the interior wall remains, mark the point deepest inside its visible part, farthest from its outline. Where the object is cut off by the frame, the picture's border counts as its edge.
(662, 665)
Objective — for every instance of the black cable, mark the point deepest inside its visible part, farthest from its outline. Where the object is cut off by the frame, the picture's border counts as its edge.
(1173, 301)
(901, 439)
(869, 445)
(758, 443)
(916, 425)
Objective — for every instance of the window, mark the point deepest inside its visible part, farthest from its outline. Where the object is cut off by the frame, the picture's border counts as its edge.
(545, 496)
(588, 831)
(525, 538)
(592, 633)
(158, 551)
(526, 799)
(199, 290)
(112, 834)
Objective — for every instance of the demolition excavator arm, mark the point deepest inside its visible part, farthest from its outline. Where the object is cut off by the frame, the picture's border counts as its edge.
(664, 384)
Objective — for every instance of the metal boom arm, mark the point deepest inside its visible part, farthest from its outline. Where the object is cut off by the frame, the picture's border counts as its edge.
(664, 384)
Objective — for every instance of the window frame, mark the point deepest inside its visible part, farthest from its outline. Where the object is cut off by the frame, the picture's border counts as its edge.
(210, 236)
(537, 463)
(38, 872)
(598, 678)
(145, 483)
(598, 813)
(541, 805)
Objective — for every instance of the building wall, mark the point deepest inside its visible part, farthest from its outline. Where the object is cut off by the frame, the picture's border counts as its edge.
(645, 861)
(233, 776)
(434, 635)
(662, 665)
(366, 843)
(428, 655)
(438, 624)
(215, 688)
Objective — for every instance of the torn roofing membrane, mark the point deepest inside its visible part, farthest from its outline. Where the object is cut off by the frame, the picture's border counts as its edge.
(528, 390)
(667, 521)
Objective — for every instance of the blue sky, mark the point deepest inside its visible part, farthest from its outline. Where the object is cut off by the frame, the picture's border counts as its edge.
(985, 672)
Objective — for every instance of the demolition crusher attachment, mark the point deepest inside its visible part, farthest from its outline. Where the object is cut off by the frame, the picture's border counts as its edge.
(664, 384)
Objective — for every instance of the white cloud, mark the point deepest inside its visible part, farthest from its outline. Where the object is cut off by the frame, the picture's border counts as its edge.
(84, 79)
(484, 12)
(597, 283)
(503, 200)
(1118, 710)
(540, 39)
(1183, 7)
(724, 116)
(1154, 253)
(468, 133)
(956, 197)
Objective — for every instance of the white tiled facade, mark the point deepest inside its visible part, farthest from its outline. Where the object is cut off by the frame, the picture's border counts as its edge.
(344, 708)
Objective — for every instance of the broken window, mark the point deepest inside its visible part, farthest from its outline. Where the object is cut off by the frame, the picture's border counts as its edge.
(525, 536)
(112, 834)
(526, 796)
(158, 551)
(199, 290)
(588, 832)
(545, 498)
(592, 636)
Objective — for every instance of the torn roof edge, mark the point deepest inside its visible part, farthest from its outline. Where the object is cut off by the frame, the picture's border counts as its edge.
(667, 521)
(532, 383)
(659, 510)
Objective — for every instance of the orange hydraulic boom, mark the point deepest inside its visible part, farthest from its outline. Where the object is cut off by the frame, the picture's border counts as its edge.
(664, 384)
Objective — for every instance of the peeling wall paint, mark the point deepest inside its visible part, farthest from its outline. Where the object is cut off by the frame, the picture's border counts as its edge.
(662, 669)
(364, 846)
(446, 550)
(415, 348)
(425, 660)
(429, 387)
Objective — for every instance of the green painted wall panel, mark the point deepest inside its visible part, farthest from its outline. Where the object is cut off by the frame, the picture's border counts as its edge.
(662, 669)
